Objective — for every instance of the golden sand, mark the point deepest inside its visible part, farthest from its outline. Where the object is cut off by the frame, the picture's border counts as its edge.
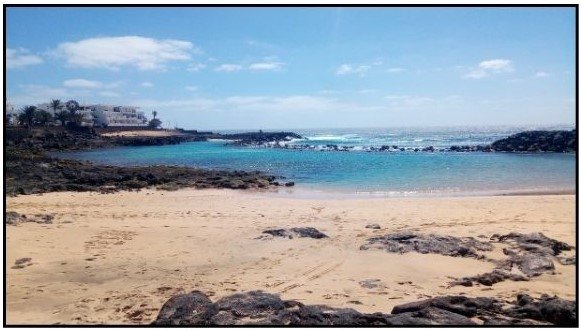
(117, 258)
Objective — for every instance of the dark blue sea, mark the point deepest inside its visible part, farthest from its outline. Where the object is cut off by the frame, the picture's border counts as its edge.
(394, 173)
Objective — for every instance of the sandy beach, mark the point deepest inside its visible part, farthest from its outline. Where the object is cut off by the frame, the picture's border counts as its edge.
(116, 258)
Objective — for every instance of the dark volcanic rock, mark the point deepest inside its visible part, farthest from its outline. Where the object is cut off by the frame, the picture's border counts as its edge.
(555, 310)
(429, 316)
(535, 243)
(30, 170)
(465, 306)
(260, 308)
(488, 279)
(13, 218)
(373, 226)
(253, 304)
(22, 262)
(532, 264)
(259, 138)
(296, 231)
(535, 141)
(25, 176)
(187, 309)
(403, 242)
(532, 254)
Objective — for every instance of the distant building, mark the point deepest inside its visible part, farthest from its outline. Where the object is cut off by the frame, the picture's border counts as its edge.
(101, 115)
(10, 113)
(108, 115)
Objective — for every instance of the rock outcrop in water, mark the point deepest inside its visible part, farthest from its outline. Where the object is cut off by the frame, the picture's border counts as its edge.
(535, 141)
(258, 138)
(530, 141)
(261, 308)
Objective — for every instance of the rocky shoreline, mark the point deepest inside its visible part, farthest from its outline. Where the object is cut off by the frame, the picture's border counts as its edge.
(524, 142)
(29, 170)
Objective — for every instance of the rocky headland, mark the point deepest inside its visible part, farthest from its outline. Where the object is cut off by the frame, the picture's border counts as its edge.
(538, 141)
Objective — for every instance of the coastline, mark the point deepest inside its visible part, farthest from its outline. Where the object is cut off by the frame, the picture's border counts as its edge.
(116, 258)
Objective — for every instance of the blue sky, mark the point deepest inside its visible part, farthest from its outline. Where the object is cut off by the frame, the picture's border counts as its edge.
(270, 68)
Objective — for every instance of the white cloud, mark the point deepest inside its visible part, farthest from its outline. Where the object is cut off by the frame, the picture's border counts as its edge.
(90, 84)
(476, 74)
(541, 74)
(269, 104)
(191, 88)
(229, 68)
(195, 67)
(346, 69)
(396, 70)
(115, 52)
(189, 104)
(488, 67)
(500, 65)
(266, 66)
(147, 84)
(17, 58)
(83, 83)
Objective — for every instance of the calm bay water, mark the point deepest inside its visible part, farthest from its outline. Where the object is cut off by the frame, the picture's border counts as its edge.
(391, 173)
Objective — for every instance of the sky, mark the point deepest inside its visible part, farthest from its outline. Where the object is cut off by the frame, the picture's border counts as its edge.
(274, 68)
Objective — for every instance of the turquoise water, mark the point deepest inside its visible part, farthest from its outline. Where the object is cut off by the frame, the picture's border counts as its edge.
(394, 173)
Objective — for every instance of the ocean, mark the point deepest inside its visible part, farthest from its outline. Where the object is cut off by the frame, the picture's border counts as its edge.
(359, 171)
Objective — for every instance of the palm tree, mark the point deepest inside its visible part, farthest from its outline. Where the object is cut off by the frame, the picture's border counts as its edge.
(154, 113)
(62, 116)
(43, 117)
(154, 123)
(76, 118)
(26, 117)
(72, 106)
(54, 104)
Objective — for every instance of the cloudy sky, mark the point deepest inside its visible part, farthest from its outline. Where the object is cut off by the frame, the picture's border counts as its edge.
(271, 68)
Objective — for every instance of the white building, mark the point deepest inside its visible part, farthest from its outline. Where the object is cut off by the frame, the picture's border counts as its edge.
(10, 113)
(109, 115)
(101, 115)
